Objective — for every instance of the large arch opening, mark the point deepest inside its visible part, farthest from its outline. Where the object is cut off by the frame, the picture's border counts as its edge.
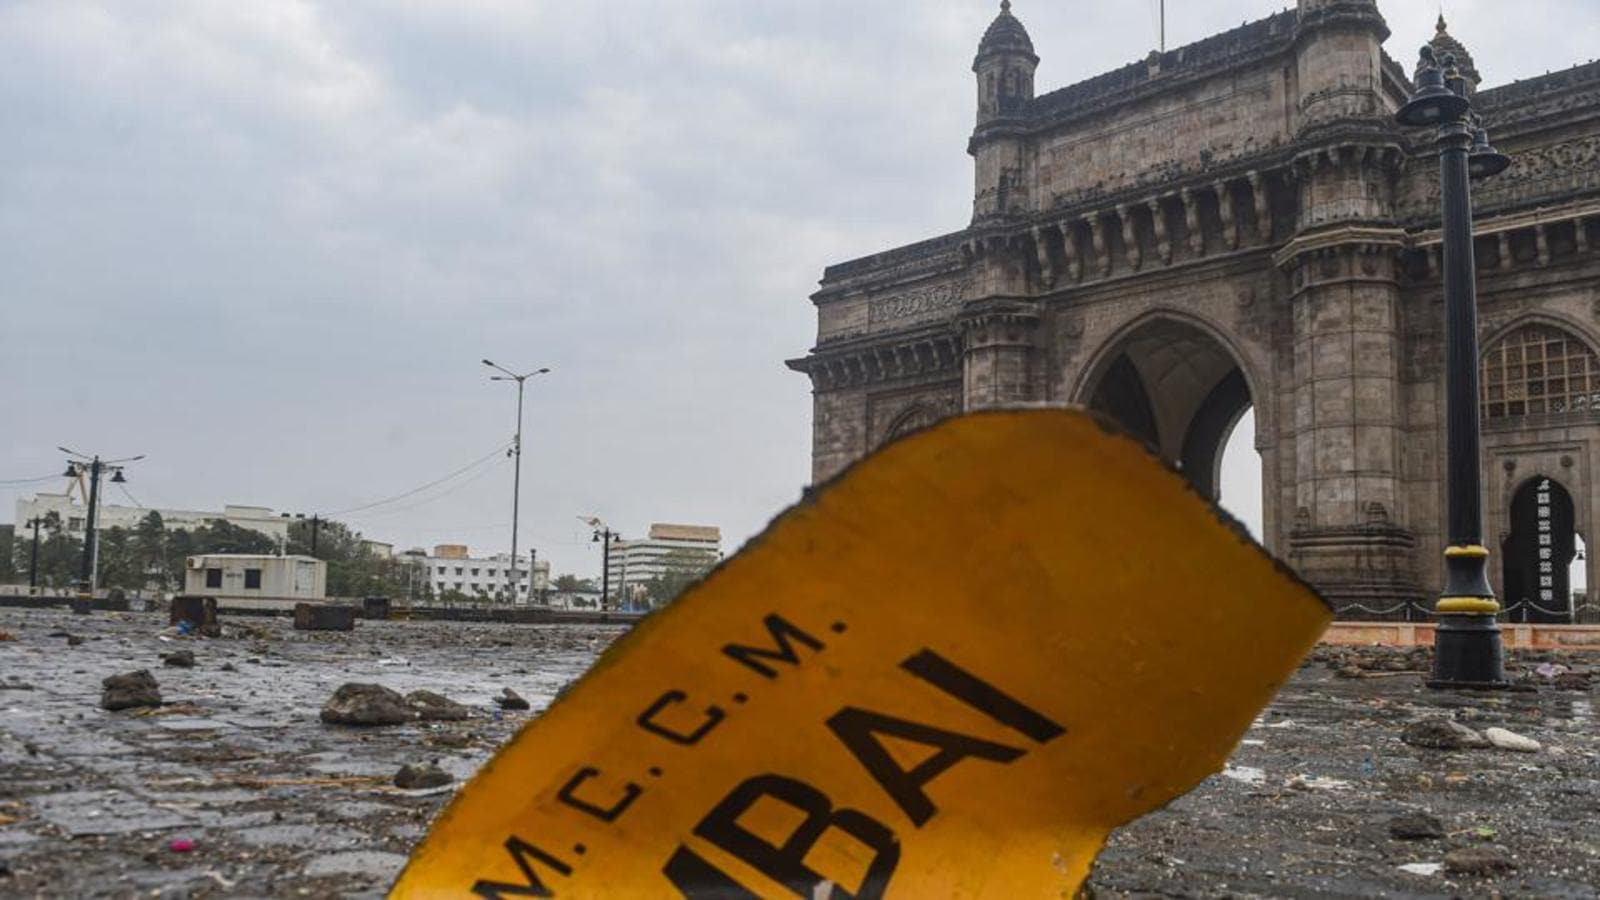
(1541, 553)
(1182, 392)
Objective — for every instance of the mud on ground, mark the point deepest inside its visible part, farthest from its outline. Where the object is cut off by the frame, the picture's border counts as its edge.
(273, 803)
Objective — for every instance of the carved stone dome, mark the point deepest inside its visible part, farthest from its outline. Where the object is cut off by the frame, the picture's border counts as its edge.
(1006, 36)
(1443, 42)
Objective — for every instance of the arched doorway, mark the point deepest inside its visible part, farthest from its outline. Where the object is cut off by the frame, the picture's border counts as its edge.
(1177, 388)
(1538, 553)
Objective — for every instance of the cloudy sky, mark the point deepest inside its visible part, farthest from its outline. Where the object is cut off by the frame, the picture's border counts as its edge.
(266, 242)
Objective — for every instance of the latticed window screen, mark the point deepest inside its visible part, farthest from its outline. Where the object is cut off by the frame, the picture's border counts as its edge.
(1539, 370)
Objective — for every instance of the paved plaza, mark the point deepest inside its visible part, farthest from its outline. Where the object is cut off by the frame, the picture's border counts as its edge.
(234, 787)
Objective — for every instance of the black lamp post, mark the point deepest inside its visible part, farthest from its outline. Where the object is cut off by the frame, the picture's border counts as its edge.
(94, 467)
(33, 560)
(604, 536)
(1467, 647)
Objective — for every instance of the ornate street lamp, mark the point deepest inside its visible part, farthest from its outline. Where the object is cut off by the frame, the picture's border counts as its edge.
(1467, 647)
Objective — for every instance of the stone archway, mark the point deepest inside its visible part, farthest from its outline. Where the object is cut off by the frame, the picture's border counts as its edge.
(1177, 387)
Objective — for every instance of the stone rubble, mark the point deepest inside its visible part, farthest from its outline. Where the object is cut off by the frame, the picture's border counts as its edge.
(130, 690)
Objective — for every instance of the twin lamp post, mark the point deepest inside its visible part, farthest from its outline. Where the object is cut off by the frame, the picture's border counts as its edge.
(1467, 647)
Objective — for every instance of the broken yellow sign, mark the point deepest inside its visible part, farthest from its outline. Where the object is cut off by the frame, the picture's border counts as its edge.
(950, 673)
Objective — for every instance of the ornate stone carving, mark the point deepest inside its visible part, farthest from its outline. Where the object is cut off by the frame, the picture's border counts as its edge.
(919, 304)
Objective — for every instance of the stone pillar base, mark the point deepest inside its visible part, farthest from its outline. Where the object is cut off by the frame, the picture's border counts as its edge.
(1365, 573)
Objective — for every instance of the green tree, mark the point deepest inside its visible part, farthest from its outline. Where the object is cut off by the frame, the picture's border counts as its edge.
(353, 569)
(8, 553)
(60, 554)
(574, 583)
(680, 570)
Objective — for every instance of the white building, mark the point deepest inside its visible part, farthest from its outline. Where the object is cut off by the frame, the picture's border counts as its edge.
(250, 581)
(74, 513)
(452, 568)
(670, 549)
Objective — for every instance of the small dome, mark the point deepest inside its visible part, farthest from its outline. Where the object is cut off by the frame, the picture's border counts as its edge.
(1443, 43)
(1006, 35)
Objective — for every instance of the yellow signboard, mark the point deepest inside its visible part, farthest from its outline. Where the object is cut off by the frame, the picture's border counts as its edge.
(949, 673)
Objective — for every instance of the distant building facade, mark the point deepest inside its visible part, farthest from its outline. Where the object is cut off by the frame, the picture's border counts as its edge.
(452, 569)
(669, 549)
(254, 581)
(74, 514)
(1238, 224)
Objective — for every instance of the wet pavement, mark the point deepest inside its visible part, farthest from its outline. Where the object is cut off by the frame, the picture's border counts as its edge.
(235, 788)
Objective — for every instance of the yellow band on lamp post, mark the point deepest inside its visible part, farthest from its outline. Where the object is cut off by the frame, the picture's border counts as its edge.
(1482, 606)
(1471, 552)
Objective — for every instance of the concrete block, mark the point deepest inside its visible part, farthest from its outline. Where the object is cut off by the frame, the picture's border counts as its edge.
(200, 612)
(375, 608)
(324, 617)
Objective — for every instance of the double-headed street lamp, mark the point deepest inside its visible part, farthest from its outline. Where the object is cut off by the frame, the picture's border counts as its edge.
(78, 465)
(1467, 648)
(516, 484)
(603, 535)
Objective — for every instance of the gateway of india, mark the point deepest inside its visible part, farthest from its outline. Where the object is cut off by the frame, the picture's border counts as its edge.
(1240, 224)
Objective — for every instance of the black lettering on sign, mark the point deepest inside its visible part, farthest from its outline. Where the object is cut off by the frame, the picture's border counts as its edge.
(647, 720)
(781, 631)
(696, 878)
(981, 696)
(569, 796)
(523, 853)
(858, 729)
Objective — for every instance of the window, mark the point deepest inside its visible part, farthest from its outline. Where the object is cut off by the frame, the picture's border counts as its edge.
(1539, 370)
(75, 523)
(474, 573)
(458, 570)
(441, 570)
(252, 579)
(213, 578)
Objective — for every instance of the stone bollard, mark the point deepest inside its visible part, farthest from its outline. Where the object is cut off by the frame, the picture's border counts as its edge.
(375, 608)
(82, 605)
(324, 617)
(200, 612)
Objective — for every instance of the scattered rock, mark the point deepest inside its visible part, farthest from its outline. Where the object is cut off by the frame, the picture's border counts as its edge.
(179, 659)
(511, 700)
(6, 636)
(1478, 861)
(454, 740)
(229, 667)
(1442, 734)
(1510, 740)
(420, 777)
(1572, 681)
(366, 704)
(1416, 826)
(73, 640)
(129, 690)
(433, 707)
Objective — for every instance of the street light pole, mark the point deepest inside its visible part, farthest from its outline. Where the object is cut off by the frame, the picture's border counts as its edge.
(516, 482)
(33, 560)
(95, 467)
(1468, 652)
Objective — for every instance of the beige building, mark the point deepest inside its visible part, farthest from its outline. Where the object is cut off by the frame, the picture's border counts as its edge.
(1240, 223)
(265, 582)
(669, 549)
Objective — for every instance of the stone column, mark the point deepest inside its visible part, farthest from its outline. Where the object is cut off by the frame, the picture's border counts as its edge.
(1130, 238)
(1350, 537)
(998, 337)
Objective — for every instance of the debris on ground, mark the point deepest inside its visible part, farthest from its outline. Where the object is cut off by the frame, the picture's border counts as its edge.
(178, 659)
(1478, 861)
(1573, 681)
(366, 704)
(422, 776)
(1510, 740)
(512, 701)
(181, 845)
(1416, 826)
(432, 707)
(1442, 734)
(130, 690)
(6, 636)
